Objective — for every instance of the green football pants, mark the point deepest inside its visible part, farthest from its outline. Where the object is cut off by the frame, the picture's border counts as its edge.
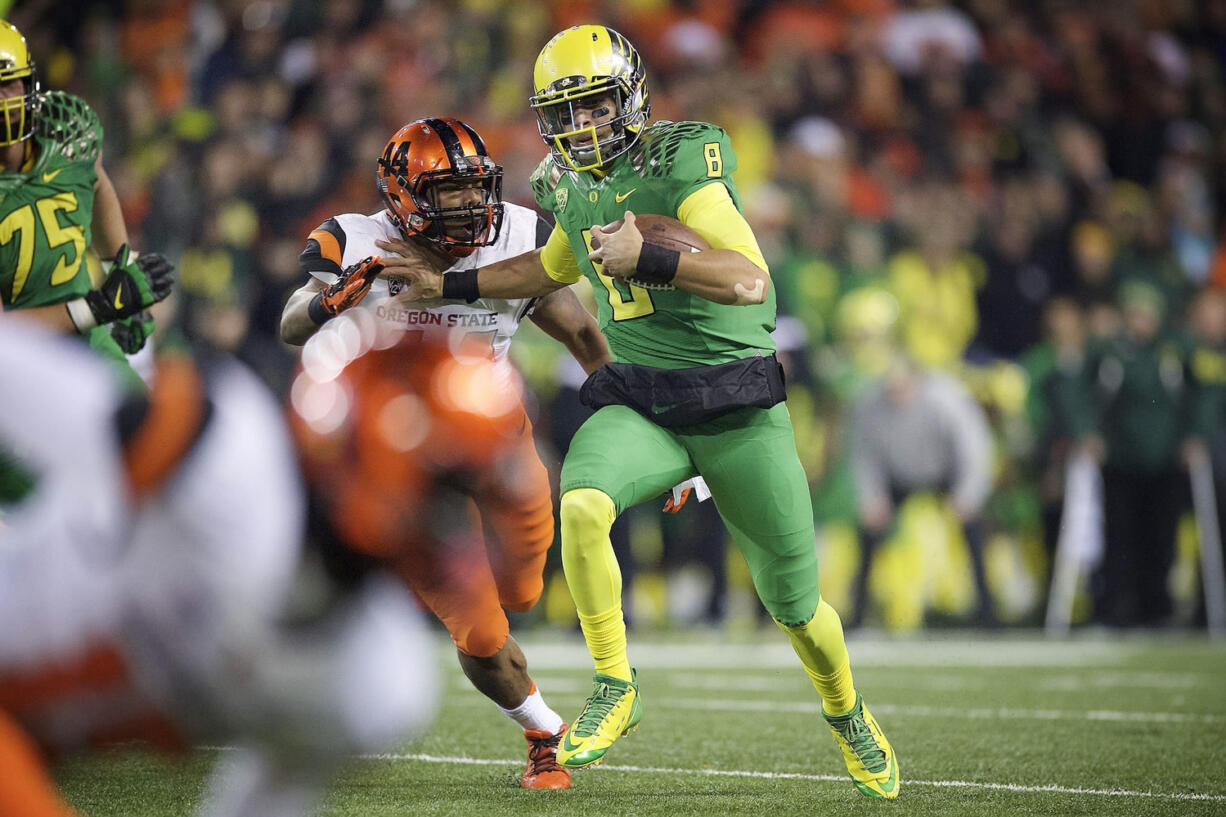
(748, 459)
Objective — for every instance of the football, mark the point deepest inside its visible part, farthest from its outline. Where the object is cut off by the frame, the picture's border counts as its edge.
(662, 231)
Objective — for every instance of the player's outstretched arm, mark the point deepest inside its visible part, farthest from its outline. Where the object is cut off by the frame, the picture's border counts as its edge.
(564, 319)
(523, 276)
(323, 303)
(296, 324)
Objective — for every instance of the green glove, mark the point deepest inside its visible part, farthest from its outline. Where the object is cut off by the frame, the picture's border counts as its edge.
(131, 333)
(133, 284)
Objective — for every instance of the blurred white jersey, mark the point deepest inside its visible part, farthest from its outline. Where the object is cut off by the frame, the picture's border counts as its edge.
(488, 322)
(235, 512)
(190, 583)
(60, 547)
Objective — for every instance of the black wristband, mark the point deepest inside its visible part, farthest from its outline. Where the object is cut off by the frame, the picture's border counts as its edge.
(656, 264)
(461, 284)
(315, 310)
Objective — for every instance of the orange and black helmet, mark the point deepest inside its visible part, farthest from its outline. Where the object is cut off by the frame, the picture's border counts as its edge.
(439, 182)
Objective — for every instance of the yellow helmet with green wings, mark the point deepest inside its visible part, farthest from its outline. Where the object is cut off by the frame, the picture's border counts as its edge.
(580, 67)
(15, 64)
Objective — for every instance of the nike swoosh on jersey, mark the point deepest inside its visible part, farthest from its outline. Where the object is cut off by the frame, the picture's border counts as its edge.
(51, 174)
(620, 197)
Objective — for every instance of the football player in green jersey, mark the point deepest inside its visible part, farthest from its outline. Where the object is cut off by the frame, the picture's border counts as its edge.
(694, 387)
(55, 200)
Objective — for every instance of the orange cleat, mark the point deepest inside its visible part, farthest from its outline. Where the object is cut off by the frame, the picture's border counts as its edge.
(543, 771)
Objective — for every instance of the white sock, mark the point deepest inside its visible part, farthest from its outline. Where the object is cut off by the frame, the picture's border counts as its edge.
(534, 713)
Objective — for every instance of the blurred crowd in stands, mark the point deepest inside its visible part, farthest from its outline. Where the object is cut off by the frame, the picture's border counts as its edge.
(1016, 202)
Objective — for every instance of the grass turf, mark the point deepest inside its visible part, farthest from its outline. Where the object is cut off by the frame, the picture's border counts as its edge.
(1128, 726)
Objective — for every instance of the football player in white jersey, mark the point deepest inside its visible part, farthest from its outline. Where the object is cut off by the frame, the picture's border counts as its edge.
(145, 580)
(443, 204)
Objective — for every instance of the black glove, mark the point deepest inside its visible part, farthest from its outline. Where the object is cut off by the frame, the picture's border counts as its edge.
(131, 286)
(131, 333)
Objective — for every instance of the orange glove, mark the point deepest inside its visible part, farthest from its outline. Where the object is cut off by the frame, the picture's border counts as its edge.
(348, 290)
(675, 503)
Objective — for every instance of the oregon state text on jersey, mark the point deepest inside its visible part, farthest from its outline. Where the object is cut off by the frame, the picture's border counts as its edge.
(348, 238)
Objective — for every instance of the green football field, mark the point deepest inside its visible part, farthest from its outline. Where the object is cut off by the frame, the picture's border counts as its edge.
(1009, 725)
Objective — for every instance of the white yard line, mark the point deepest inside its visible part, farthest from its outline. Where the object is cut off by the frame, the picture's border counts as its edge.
(903, 710)
(774, 653)
(782, 680)
(978, 713)
(948, 784)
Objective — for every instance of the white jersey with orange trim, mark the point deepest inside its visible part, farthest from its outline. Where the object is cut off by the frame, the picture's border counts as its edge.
(344, 240)
(60, 547)
(170, 601)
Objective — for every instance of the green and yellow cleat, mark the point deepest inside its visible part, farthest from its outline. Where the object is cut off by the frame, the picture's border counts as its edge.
(871, 761)
(612, 710)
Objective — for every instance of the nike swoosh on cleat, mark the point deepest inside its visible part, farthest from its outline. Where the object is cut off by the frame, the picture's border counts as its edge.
(891, 784)
(51, 174)
(119, 298)
(888, 787)
(620, 197)
(567, 746)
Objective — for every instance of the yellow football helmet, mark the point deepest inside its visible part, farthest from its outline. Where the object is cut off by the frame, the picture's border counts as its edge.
(15, 64)
(581, 65)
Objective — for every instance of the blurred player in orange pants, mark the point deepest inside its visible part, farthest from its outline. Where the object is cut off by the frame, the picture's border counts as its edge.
(426, 433)
(443, 205)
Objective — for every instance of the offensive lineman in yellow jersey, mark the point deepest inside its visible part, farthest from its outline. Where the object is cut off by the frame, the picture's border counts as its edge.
(694, 388)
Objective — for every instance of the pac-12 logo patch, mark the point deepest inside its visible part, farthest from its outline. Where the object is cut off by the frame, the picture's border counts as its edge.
(395, 284)
(560, 197)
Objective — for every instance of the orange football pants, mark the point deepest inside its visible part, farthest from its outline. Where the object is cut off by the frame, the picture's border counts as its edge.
(26, 789)
(469, 584)
(74, 704)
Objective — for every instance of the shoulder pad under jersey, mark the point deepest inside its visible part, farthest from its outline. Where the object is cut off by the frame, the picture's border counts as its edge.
(677, 149)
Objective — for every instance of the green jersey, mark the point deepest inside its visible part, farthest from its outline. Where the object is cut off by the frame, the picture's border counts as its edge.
(46, 210)
(667, 328)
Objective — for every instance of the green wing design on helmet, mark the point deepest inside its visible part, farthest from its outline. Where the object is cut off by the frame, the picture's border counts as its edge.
(71, 126)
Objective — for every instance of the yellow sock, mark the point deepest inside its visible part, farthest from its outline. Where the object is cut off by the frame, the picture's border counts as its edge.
(823, 652)
(594, 578)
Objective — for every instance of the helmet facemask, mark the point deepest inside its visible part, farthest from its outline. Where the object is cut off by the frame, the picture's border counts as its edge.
(583, 148)
(17, 113)
(439, 205)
